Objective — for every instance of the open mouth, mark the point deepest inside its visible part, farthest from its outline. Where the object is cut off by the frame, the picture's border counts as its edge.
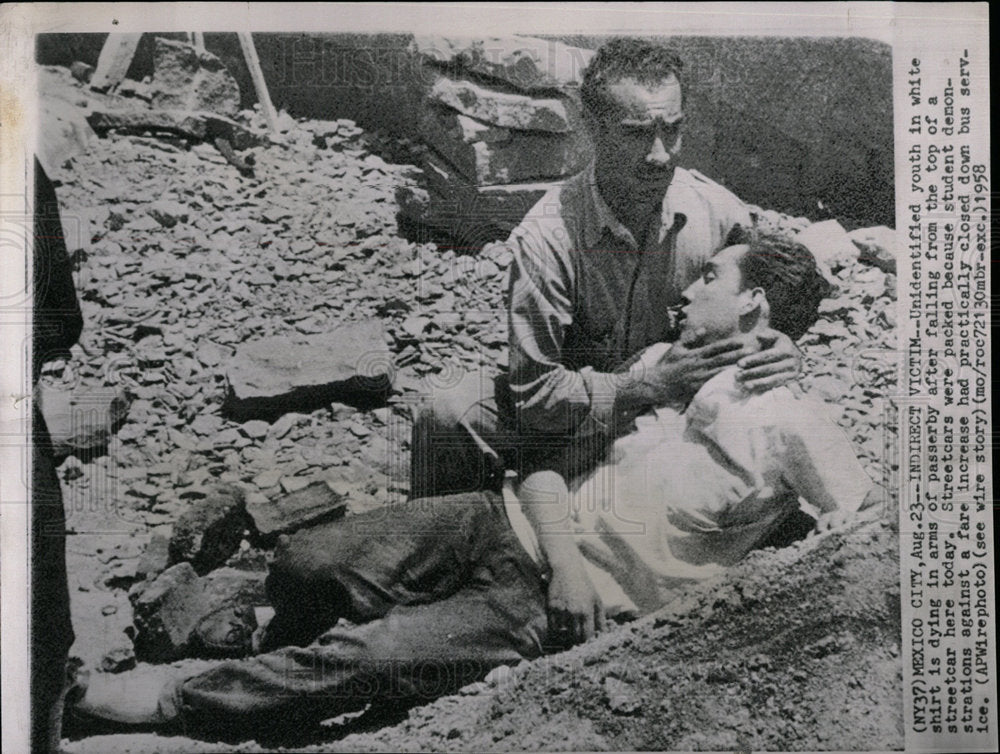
(677, 316)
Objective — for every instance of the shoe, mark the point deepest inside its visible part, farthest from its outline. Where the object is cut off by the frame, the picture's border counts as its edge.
(129, 699)
(226, 633)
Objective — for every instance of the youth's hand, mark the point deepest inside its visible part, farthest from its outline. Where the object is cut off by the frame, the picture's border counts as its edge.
(576, 612)
(778, 362)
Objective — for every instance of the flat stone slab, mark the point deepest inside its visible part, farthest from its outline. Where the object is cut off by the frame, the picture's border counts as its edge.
(287, 513)
(198, 125)
(503, 109)
(525, 63)
(277, 375)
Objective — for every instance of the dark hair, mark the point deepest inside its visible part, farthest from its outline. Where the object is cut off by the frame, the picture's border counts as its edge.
(627, 57)
(787, 272)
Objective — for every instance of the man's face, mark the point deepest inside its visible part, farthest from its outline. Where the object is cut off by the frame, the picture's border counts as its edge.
(715, 301)
(638, 141)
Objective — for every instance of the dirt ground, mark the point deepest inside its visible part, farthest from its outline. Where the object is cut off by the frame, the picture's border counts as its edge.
(794, 649)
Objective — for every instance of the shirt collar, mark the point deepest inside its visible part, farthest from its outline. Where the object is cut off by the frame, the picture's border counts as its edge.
(600, 217)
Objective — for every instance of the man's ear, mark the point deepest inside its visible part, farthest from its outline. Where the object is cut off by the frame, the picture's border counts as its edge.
(755, 300)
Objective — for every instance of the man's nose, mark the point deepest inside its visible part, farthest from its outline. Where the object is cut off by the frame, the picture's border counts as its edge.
(658, 154)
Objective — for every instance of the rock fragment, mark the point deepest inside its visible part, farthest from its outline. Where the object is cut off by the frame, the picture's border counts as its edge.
(166, 611)
(877, 246)
(489, 156)
(118, 660)
(209, 532)
(276, 375)
(621, 697)
(502, 109)
(186, 78)
(201, 126)
(829, 243)
(156, 557)
(81, 71)
(526, 63)
(231, 586)
(286, 513)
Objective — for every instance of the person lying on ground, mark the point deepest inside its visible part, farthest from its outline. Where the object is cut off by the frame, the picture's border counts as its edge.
(413, 601)
(695, 486)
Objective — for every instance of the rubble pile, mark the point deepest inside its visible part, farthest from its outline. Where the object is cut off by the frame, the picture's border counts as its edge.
(271, 330)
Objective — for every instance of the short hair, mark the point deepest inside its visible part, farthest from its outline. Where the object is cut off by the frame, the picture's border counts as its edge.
(627, 57)
(787, 272)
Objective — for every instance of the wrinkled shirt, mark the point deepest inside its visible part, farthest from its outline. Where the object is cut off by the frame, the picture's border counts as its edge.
(691, 492)
(584, 298)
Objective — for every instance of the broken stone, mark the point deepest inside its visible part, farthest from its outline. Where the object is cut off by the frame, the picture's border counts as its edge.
(501, 108)
(256, 429)
(230, 586)
(209, 532)
(156, 557)
(186, 78)
(877, 246)
(83, 419)
(293, 483)
(621, 697)
(72, 469)
(81, 71)
(137, 89)
(118, 660)
(165, 612)
(526, 63)
(210, 354)
(267, 479)
(828, 242)
(287, 513)
(488, 158)
(276, 375)
(168, 213)
(201, 126)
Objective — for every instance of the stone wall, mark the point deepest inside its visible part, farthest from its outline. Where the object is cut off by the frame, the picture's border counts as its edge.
(803, 126)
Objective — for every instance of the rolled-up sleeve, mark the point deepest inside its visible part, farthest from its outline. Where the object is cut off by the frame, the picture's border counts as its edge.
(548, 396)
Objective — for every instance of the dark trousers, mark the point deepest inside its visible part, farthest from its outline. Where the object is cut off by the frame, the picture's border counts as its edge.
(51, 629)
(441, 589)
